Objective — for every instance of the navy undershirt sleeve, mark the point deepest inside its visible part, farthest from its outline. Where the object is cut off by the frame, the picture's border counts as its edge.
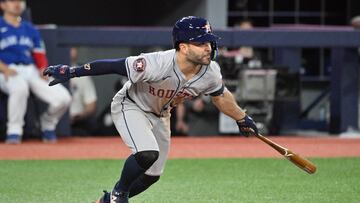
(218, 92)
(101, 67)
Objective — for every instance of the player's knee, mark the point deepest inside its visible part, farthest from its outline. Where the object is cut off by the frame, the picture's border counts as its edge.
(21, 91)
(61, 102)
(67, 99)
(146, 158)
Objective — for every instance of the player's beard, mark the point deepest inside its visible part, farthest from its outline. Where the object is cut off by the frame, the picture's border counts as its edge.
(198, 59)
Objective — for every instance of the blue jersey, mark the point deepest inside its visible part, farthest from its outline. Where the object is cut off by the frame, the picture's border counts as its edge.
(18, 44)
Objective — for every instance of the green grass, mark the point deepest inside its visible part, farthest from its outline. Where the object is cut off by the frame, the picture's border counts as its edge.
(185, 180)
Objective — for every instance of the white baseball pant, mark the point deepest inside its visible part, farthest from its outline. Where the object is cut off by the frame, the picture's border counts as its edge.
(18, 87)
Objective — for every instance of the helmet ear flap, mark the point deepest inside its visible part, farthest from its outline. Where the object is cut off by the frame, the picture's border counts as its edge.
(176, 45)
(214, 50)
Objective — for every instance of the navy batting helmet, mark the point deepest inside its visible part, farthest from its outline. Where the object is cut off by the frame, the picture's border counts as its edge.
(194, 29)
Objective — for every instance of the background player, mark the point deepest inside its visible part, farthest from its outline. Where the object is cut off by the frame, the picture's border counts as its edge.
(21, 47)
(157, 82)
(83, 104)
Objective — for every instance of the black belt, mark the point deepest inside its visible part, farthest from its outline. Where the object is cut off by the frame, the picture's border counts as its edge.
(127, 95)
(20, 63)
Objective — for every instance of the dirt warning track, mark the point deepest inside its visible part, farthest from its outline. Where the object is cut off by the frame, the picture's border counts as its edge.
(182, 147)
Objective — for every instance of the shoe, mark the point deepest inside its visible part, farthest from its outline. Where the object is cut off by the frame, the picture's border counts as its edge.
(13, 139)
(105, 198)
(119, 197)
(49, 136)
(114, 197)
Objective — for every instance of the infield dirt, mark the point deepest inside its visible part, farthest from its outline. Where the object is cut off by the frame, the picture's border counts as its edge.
(181, 147)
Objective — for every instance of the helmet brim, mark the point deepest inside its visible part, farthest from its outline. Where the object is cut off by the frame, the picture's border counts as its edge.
(208, 37)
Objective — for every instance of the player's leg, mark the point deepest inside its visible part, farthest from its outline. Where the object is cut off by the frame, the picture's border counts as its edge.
(135, 166)
(136, 131)
(142, 183)
(161, 131)
(58, 99)
(18, 93)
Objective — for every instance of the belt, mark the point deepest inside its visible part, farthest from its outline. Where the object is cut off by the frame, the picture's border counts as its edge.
(21, 64)
(127, 95)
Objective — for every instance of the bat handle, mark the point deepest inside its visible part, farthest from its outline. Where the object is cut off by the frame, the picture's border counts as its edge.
(282, 150)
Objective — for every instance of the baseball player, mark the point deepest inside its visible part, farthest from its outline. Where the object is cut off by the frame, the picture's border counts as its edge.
(158, 81)
(22, 59)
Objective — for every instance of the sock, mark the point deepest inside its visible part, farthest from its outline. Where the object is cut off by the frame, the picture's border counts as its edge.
(131, 171)
(142, 183)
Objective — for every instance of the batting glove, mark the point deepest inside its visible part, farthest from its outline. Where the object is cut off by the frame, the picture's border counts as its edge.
(61, 73)
(247, 126)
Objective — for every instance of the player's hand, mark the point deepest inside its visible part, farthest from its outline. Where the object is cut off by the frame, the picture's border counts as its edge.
(182, 127)
(44, 77)
(198, 105)
(61, 73)
(247, 126)
(9, 72)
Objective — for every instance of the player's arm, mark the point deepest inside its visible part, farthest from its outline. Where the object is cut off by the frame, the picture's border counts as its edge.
(181, 125)
(6, 70)
(38, 51)
(39, 57)
(226, 103)
(89, 98)
(89, 109)
(63, 73)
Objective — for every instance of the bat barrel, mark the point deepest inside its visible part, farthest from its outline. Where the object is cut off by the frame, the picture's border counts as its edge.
(299, 161)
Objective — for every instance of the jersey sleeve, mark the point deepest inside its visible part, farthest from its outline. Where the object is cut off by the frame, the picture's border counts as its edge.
(39, 46)
(143, 68)
(38, 50)
(1, 47)
(216, 85)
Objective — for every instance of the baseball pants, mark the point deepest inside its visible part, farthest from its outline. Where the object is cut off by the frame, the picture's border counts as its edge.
(142, 131)
(18, 87)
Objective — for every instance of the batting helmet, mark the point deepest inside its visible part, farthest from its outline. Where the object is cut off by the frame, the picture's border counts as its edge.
(194, 29)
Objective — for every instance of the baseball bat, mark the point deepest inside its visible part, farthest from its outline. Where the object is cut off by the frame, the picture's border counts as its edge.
(296, 159)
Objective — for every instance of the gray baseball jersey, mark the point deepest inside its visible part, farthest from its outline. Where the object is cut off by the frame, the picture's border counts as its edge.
(156, 83)
(140, 110)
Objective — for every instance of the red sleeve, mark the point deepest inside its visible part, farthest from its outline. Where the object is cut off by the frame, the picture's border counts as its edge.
(40, 60)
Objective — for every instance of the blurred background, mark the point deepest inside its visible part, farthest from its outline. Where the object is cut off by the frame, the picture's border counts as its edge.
(293, 64)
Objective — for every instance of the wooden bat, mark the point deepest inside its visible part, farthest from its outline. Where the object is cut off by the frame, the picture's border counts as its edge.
(299, 161)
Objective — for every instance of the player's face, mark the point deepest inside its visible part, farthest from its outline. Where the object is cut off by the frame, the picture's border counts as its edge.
(13, 7)
(199, 52)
